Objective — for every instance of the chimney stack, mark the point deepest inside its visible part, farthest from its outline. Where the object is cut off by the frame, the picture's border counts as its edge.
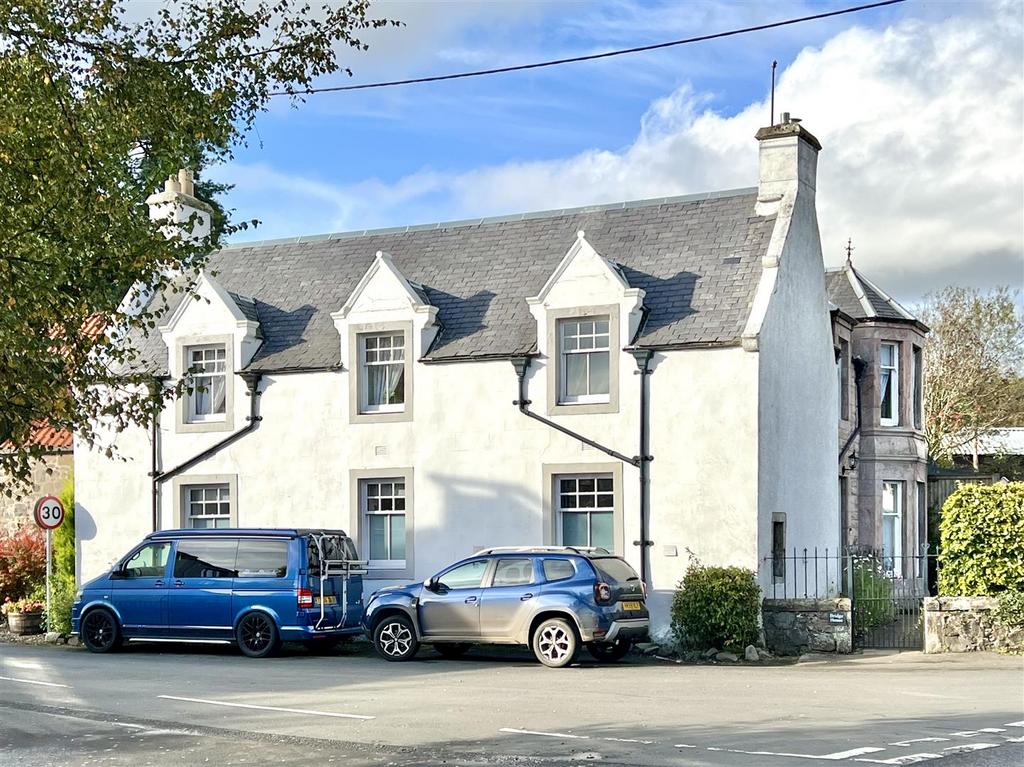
(176, 205)
(787, 163)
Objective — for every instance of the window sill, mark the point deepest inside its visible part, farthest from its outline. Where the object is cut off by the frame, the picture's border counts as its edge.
(584, 408)
(381, 416)
(186, 427)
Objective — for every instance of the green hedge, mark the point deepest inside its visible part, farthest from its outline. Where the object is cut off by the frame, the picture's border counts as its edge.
(716, 607)
(982, 540)
(62, 587)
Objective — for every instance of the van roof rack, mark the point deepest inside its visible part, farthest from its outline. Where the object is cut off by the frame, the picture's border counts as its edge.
(585, 551)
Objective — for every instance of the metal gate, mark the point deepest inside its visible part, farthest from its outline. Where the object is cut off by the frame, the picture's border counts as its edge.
(887, 594)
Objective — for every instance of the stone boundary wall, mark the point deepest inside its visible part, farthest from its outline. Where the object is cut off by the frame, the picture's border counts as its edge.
(967, 624)
(796, 626)
(49, 474)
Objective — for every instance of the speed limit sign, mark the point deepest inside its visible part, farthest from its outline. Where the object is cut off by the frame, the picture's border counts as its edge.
(49, 513)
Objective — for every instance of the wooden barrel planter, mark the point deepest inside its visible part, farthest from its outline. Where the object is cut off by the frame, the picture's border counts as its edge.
(24, 624)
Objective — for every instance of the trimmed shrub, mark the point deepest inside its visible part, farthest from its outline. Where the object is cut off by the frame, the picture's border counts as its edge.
(982, 540)
(22, 563)
(716, 607)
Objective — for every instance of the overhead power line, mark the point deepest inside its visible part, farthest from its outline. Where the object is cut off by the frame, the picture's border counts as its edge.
(589, 57)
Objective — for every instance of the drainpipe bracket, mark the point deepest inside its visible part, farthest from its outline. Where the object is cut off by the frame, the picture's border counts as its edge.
(643, 543)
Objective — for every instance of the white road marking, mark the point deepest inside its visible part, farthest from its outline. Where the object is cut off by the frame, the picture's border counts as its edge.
(33, 681)
(970, 747)
(1013, 740)
(266, 708)
(128, 724)
(683, 745)
(545, 734)
(837, 756)
(907, 759)
(919, 740)
(1015, 724)
(629, 740)
(22, 663)
(972, 733)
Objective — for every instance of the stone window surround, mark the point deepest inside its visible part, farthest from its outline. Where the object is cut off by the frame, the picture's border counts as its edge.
(181, 423)
(554, 360)
(355, 371)
(357, 526)
(779, 516)
(551, 472)
(182, 483)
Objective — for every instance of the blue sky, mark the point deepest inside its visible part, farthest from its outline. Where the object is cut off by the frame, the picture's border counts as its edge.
(664, 122)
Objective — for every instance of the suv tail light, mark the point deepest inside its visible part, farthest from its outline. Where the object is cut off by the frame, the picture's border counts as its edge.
(305, 597)
(602, 593)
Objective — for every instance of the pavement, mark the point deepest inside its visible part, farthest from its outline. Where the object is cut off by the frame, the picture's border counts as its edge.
(176, 704)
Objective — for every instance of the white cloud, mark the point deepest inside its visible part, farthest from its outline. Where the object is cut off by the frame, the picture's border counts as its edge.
(921, 124)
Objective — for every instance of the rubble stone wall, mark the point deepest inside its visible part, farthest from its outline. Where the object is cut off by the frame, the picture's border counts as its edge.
(967, 624)
(796, 626)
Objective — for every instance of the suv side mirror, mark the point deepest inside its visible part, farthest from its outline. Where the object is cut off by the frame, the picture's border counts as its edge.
(430, 584)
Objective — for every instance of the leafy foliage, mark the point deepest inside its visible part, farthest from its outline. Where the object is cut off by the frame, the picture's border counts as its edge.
(1010, 609)
(972, 364)
(98, 104)
(716, 607)
(63, 588)
(873, 604)
(982, 534)
(22, 563)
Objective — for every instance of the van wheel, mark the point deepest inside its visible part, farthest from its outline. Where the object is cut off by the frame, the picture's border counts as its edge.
(395, 638)
(452, 650)
(257, 635)
(555, 643)
(609, 652)
(100, 632)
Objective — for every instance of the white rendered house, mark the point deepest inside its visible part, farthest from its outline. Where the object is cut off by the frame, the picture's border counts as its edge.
(363, 380)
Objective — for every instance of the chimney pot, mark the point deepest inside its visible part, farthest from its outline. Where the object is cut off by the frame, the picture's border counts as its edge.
(185, 182)
(785, 118)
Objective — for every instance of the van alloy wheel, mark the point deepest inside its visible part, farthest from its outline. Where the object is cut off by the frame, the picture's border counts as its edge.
(257, 635)
(99, 631)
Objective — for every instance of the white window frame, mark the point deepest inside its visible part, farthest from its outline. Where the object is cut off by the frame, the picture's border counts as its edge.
(893, 383)
(561, 511)
(223, 497)
(196, 381)
(364, 377)
(366, 513)
(893, 488)
(564, 398)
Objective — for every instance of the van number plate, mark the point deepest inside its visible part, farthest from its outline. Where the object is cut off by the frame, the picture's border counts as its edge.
(330, 600)
(632, 605)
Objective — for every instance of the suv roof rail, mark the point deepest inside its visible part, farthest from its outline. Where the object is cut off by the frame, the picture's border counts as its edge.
(582, 550)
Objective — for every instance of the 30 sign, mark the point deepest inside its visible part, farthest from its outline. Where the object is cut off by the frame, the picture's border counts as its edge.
(49, 513)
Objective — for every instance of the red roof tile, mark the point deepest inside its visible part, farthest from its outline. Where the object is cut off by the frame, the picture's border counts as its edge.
(47, 436)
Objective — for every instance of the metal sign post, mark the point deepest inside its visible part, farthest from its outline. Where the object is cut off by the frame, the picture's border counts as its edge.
(49, 515)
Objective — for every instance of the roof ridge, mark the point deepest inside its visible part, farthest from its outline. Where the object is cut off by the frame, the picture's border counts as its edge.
(512, 217)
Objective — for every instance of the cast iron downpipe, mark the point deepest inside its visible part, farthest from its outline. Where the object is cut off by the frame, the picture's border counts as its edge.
(643, 357)
(252, 382)
(858, 373)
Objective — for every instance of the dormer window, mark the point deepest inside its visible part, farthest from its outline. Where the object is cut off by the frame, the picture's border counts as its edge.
(207, 367)
(382, 372)
(583, 350)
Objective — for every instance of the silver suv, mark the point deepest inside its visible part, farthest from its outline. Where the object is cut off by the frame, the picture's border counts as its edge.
(553, 599)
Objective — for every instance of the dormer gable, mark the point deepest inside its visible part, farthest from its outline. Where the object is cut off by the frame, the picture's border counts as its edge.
(382, 290)
(583, 277)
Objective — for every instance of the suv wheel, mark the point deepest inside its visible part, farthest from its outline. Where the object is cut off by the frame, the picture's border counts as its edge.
(257, 635)
(395, 638)
(609, 652)
(100, 632)
(555, 643)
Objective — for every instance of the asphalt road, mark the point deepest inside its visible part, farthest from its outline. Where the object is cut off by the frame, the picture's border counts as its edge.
(166, 704)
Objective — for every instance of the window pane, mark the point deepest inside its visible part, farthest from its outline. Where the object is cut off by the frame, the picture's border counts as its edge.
(396, 385)
(587, 501)
(218, 394)
(586, 342)
(377, 525)
(888, 537)
(513, 572)
(205, 559)
(599, 373)
(601, 327)
(604, 484)
(465, 576)
(376, 385)
(568, 501)
(149, 562)
(586, 484)
(605, 501)
(575, 374)
(574, 530)
(262, 559)
(558, 569)
(567, 485)
(601, 530)
(398, 536)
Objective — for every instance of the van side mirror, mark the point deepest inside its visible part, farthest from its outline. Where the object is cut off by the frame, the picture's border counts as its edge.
(118, 574)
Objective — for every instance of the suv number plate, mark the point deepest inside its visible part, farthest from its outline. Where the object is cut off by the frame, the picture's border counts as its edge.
(632, 605)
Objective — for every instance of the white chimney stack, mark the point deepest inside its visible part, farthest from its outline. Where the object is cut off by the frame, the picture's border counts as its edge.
(787, 163)
(176, 204)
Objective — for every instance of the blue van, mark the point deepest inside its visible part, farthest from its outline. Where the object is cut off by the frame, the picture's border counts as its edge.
(254, 587)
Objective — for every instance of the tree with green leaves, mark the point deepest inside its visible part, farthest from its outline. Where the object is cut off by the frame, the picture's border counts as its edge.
(96, 109)
(973, 363)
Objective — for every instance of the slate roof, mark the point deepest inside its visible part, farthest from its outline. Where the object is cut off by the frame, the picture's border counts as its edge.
(697, 257)
(843, 285)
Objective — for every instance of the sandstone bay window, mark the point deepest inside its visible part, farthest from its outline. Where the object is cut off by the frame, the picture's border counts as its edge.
(583, 360)
(382, 373)
(917, 379)
(892, 526)
(586, 510)
(383, 506)
(206, 506)
(207, 370)
(889, 384)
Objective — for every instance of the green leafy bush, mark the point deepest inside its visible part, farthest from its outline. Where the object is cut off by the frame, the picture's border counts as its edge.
(1010, 609)
(62, 597)
(873, 603)
(982, 540)
(716, 607)
(62, 588)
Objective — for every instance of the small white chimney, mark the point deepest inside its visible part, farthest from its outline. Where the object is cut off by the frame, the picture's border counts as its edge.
(787, 162)
(176, 204)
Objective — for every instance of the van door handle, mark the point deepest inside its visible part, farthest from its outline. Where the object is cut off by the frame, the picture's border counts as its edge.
(524, 597)
(470, 600)
(158, 584)
(179, 583)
